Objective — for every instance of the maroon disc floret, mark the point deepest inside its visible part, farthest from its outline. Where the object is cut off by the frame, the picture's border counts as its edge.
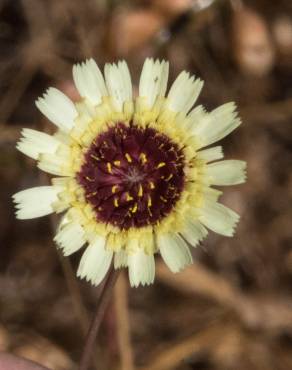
(132, 176)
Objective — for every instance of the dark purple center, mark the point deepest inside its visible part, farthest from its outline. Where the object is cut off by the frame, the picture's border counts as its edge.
(132, 176)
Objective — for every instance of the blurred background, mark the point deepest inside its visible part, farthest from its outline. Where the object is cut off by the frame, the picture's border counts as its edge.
(232, 310)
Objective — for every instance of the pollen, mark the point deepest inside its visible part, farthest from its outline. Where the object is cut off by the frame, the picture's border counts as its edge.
(95, 157)
(149, 202)
(109, 167)
(128, 157)
(128, 197)
(114, 188)
(134, 209)
(140, 192)
(161, 164)
(143, 158)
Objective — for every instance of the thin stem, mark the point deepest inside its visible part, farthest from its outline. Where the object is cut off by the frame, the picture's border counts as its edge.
(95, 325)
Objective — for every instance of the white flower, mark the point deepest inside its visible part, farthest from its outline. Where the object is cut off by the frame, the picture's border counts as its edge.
(133, 177)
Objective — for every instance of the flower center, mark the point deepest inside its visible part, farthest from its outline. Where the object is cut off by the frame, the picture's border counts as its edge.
(132, 176)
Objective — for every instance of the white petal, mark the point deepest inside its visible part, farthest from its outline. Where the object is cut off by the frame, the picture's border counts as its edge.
(89, 81)
(194, 232)
(141, 268)
(211, 154)
(217, 124)
(58, 108)
(196, 114)
(211, 194)
(229, 172)
(153, 80)
(174, 251)
(120, 259)
(184, 92)
(36, 202)
(55, 165)
(118, 81)
(70, 237)
(95, 261)
(35, 142)
(219, 218)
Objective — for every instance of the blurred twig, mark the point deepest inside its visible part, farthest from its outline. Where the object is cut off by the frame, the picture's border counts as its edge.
(16, 89)
(263, 312)
(171, 357)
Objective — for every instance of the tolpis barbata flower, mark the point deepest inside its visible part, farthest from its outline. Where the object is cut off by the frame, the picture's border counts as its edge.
(132, 177)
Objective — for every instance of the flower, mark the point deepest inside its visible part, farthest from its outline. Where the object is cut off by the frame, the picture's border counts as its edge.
(132, 177)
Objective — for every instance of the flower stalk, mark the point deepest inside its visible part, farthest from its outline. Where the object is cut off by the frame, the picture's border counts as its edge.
(102, 304)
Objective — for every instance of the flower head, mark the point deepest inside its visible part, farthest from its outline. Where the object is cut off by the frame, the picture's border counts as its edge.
(132, 177)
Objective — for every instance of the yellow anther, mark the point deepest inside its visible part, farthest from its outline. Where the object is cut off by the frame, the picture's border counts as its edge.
(128, 157)
(114, 188)
(134, 209)
(149, 203)
(116, 202)
(91, 194)
(129, 197)
(169, 177)
(140, 191)
(152, 186)
(94, 157)
(117, 163)
(143, 158)
(161, 164)
(109, 167)
(163, 199)
(89, 179)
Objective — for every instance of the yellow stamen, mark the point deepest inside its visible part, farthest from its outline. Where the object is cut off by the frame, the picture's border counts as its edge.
(109, 167)
(117, 163)
(161, 164)
(134, 209)
(140, 192)
(149, 203)
(116, 202)
(114, 188)
(91, 194)
(89, 179)
(152, 186)
(143, 158)
(128, 157)
(94, 157)
(169, 177)
(129, 197)
(163, 199)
